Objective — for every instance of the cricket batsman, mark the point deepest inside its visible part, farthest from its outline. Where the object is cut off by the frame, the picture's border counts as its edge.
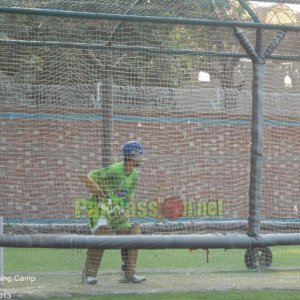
(112, 188)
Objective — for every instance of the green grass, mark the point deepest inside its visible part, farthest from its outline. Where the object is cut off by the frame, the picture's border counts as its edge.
(33, 260)
(220, 262)
(224, 295)
(56, 260)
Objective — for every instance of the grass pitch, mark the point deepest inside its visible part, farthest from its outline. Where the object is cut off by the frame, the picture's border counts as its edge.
(56, 273)
(224, 295)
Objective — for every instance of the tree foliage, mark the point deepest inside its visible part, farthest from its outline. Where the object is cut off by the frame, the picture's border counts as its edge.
(69, 65)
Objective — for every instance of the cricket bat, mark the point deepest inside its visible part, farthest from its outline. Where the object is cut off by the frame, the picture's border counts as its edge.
(95, 189)
(91, 185)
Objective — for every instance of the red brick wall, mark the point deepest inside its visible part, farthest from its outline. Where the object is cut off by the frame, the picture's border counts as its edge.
(41, 159)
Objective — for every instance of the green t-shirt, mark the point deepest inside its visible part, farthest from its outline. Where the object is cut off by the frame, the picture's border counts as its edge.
(119, 188)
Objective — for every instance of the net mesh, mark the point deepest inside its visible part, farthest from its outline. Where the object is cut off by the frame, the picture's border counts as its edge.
(183, 91)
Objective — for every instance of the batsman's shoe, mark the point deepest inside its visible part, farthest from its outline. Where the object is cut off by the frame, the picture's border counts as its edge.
(89, 279)
(133, 279)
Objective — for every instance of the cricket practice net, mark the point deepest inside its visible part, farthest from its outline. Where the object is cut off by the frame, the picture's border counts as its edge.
(78, 79)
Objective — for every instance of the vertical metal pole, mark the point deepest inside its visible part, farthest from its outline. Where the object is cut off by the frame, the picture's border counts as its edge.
(256, 139)
(107, 110)
(1, 255)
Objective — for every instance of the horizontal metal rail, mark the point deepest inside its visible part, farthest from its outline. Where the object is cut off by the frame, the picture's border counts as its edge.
(277, 1)
(150, 19)
(205, 241)
(157, 50)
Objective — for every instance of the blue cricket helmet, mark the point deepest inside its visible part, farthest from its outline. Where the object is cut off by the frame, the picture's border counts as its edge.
(132, 148)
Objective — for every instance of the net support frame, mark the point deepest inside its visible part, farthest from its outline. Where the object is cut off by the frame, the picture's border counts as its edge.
(253, 238)
(258, 56)
(205, 241)
(107, 110)
(1, 253)
(139, 18)
(256, 139)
